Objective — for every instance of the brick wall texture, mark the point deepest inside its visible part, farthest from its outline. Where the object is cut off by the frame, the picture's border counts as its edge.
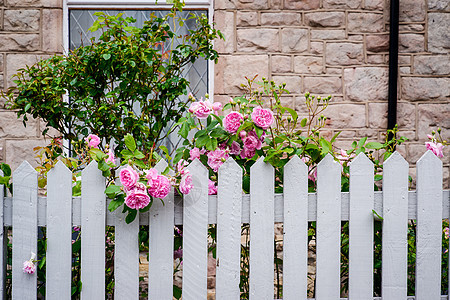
(326, 47)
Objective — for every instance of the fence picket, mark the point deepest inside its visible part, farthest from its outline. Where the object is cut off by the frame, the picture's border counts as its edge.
(429, 227)
(3, 244)
(59, 233)
(328, 233)
(262, 181)
(160, 264)
(229, 206)
(126, 256)
(93, 222)
(361, 228)
(295, 227)
(395, 228)
(24, 286)
(195, 232)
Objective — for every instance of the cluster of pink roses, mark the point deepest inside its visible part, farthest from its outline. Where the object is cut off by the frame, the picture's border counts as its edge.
(202, 109)
(433, 145)
(158, 186)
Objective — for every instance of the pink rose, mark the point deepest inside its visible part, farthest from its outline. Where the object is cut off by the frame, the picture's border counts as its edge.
(28, 266)
(212, 188)
(247, 153)
(262, 117)
(343, 157)
(159, 186)
(110, 157)
(128, 177)
(217, 106)
(436, 148)
(311, 175)
(178, 253)
(232, 121)
(201, 109)
(186, 183)
(252, 141)
(216, 158)
(92, 140)
(181, 166)
(195, 153)
(137, 199)
(235, 148)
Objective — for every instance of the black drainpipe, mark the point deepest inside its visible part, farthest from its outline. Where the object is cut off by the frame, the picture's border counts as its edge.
(393, 64)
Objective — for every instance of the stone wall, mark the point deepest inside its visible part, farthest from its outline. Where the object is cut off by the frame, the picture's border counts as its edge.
(322, 46)
(341, 48)
(29, 30)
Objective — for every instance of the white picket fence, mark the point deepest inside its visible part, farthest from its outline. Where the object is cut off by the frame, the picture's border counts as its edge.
(59, 211)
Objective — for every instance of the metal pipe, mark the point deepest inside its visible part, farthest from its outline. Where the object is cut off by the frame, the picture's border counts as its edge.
(393, 64)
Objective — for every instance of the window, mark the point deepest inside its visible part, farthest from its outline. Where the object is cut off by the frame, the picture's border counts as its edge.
(79, 17)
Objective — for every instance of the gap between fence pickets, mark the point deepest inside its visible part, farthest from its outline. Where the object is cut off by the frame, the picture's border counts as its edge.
(212, 209)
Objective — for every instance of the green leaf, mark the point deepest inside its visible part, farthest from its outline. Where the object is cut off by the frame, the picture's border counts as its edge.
(131, 216)
(116, 203)
(326, 146)
(5, 180)
(303, 122)
(103, 166)
(112, 189)
(129, 142)
(202, 140)
(378, 177)
(374, 145)
(184, 130)
(27, 107)
(97, 155)
(106, 56)
(42, 262)
(293, 114)
(176, 290)
(6, 169)
(138, 154)
(362, 141)
(377, 215)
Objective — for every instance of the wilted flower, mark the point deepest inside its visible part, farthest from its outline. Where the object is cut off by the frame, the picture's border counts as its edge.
(28, 266)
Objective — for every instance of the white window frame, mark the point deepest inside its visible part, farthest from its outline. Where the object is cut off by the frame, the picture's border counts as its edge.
(136, 4)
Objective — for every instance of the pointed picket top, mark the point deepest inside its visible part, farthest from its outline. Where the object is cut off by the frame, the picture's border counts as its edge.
(60, 167)
(260, 165)
(230, 164)
(24, 167)
(161, 165)
(296, 162)
(395, 159)
(361, 160)
(196, 164)
(91, 168)
(429, 158)
(328, 161)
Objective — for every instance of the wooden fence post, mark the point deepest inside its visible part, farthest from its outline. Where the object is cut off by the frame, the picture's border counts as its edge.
(24, 222)
(59, 233)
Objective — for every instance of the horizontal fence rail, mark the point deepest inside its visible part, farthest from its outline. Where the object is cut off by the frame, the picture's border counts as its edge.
(429, 205)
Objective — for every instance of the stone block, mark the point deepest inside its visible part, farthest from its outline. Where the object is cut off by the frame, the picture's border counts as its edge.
(21, 20)
(52, 30)
(12, 127)
(374, 4)
(225, 23)
(344, 54)
(365, 22)
(35, 3)
(231, 70)
(19, 42)
(418, 88)
(342, 4)
(411, 27)
(294, 40)
(346, 115)
(328, 34)
(281, 18)
(432, 65)
(442, 5)
(370, 133)
(281, 64)
(302, 5)
(377, 43)
(412, 11)
(308, 64)
(405, 70)
(334, 71)
(247, 18)
(432, 116)
(1, 62)
(276, 4)
(257, 40)
(223, 4)
(411, 43)
(366, 83)
(2, 85)
(19, 150)
(375, 59)
(438, 32)
(18, 61)
(323, 85)
(406, 115)
(404, 59)
(251, 4)
(316, 48)
(356, 37)
(293, 83)
(325, 19)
